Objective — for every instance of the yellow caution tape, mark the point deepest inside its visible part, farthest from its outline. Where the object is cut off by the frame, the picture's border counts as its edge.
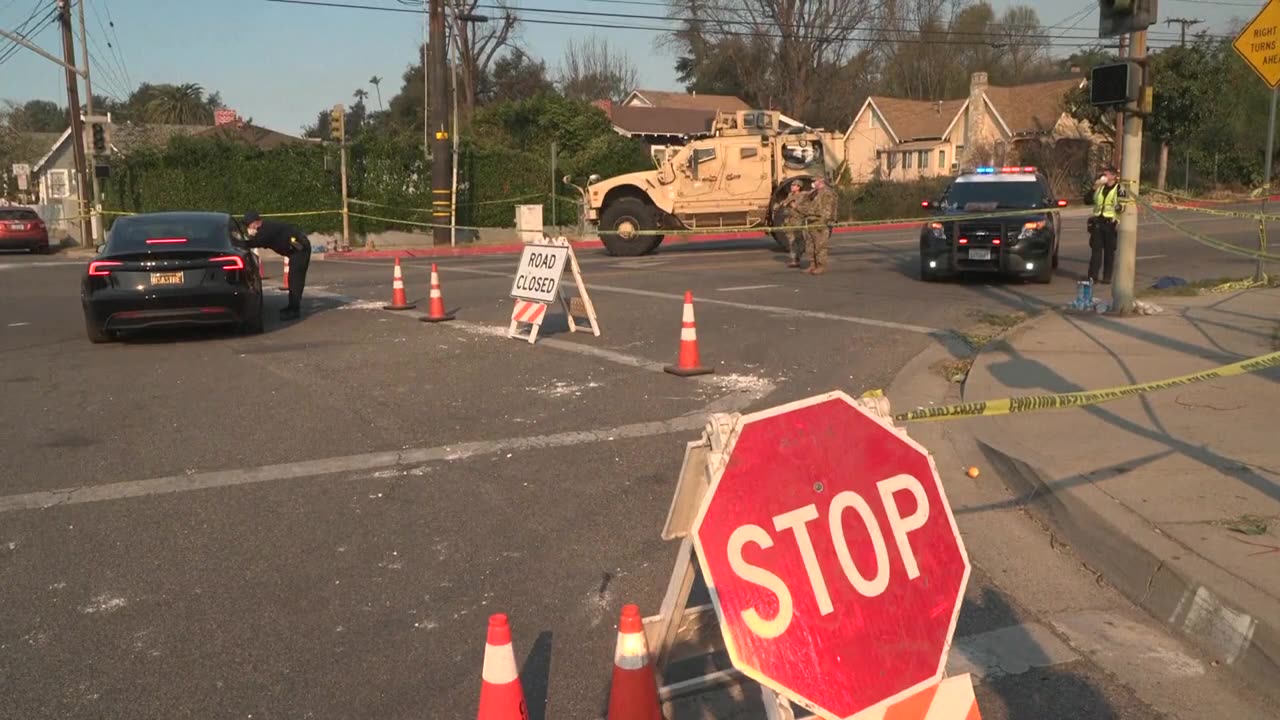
(1211, 242)
(511, 200)
(1035, 403)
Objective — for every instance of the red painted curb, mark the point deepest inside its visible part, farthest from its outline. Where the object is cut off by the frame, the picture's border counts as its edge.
(512, 248)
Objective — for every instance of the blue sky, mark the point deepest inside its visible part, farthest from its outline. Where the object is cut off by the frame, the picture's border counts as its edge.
(280, 64)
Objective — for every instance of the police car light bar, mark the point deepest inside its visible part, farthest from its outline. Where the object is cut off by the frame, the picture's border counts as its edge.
(992, 171)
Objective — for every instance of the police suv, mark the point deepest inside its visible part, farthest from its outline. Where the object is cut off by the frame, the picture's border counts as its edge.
(1011, 243)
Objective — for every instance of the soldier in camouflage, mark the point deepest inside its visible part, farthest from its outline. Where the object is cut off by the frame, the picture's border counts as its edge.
(819, 208)
(788, 215)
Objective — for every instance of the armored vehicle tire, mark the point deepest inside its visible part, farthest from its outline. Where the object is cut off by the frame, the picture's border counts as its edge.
(620, 220)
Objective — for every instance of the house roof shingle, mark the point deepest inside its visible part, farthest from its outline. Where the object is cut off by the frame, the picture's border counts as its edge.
(259, 137)
(688, 101)
(917, 119)
(641, 120)
(1032, 109)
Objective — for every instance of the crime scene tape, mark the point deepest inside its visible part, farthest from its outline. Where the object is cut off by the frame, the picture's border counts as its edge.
(1035, 403)
(1257, 195)
(1211, 242)
(511, 200)
(1216, 213)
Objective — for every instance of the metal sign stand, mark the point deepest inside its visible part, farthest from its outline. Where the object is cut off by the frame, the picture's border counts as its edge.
(531, 314)
(704, 459)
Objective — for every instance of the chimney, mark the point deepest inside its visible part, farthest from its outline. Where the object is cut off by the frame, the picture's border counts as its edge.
(977, 81)
(975, 126)
(225, 117)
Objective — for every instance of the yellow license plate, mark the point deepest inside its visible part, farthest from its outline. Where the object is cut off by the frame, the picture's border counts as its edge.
(169, 278)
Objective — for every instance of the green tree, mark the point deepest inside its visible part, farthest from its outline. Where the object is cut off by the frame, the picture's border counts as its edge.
(38, 116)
(183, 104)
(1185, 90)
(514, 76)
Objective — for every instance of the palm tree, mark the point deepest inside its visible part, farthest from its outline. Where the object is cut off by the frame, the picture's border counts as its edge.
(179, 105)
(360, 94)
(377, 86)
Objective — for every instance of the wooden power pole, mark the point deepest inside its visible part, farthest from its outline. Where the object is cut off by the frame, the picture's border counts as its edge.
(77, 127)
(1185, 23)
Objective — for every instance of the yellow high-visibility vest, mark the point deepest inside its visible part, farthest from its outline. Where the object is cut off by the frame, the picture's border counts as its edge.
(1106, 202)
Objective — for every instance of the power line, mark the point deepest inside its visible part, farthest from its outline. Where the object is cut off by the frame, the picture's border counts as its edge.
(1185, 23)
(28, 34)
(115, 55)
(116, 46)
(1083, 42)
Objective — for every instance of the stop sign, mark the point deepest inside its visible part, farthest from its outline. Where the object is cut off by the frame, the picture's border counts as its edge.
(833, 559)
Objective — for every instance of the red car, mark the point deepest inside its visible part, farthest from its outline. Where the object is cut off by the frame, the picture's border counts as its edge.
(22, 229)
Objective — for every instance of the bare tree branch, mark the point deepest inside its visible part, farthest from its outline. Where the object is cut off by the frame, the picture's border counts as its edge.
(594, 70)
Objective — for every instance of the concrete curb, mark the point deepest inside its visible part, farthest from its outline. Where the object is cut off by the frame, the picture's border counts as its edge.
(1179, 589)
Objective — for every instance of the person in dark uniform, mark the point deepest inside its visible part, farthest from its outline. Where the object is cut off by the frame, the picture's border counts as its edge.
(288, 241)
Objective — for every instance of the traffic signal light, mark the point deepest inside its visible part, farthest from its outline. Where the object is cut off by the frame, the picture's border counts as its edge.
(1115, 85)
(99, 139)
(337, 129)
(1121, 17)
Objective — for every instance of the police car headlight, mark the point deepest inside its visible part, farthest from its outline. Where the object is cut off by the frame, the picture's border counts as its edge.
(1030, 229)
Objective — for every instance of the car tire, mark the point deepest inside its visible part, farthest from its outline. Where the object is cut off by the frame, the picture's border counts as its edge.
(636, 214)
(1055, 256)
(96, 333)
(1044, 275)
(253, 324)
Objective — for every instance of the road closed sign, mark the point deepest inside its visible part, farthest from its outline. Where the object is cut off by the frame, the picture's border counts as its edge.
(832, 556)
(538, 276)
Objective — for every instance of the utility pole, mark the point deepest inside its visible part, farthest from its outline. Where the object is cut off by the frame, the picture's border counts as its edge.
(426, 83)
(1117, 147)
(438, 126)
(1185, 23)
(1122, 293)
(453, 186)
(338, 131)
(96, 208)
(77, 127)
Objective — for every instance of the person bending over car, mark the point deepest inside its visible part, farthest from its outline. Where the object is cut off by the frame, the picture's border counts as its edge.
(287, 241)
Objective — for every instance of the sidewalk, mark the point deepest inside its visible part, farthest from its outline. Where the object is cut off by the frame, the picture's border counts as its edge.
(1174, 496)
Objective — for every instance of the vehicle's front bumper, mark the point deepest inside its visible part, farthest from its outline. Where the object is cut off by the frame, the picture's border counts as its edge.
(1024, 258)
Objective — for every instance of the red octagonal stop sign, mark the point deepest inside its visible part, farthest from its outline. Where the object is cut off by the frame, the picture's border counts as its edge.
(833, 558)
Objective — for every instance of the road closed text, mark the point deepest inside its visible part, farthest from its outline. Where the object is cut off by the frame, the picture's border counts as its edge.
(537, 285)
(846, 507)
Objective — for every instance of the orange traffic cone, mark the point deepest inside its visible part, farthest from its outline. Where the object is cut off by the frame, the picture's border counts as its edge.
(436, 312)
(398, 300)
(262, 267)
(284, 285)
(501, 696)
(633, 694)
(688, 364)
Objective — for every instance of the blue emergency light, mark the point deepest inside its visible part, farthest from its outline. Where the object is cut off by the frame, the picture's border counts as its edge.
(992, 171)
(986, 171)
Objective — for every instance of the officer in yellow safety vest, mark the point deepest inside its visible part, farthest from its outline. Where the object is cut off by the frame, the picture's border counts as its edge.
(1106, 197)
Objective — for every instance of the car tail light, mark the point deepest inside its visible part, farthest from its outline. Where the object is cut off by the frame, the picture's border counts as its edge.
(102, 268)
(1062, 203)
(229, 262)
(964, 241)
(995, 241)
(166, 241)
(935, 226)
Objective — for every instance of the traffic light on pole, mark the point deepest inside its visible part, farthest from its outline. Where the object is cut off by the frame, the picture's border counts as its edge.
(1115, 85)
(337, 128)
(99, 139)
(1121, 17)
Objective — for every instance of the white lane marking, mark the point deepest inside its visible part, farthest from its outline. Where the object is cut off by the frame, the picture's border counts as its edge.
(745, 287)
(362, 462)
(771, 309)
(45, 263)
(19, 324)
(1149, 257)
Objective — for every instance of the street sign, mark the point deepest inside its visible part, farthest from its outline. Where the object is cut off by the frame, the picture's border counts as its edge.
(1259, 44)
(833, 559)
(538, 276)
(20, 169)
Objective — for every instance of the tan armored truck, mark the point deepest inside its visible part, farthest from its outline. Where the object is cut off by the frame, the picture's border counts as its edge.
(730, 178)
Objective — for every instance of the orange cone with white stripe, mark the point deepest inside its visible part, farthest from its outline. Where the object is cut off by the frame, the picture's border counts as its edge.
(262, 267)
(398, 300)
(501, 696)
(633, 694)
(436, 311)
(284, 285)
(688, 363)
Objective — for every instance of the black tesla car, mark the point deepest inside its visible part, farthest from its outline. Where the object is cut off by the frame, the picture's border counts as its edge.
(171, 269)
(1021, 242)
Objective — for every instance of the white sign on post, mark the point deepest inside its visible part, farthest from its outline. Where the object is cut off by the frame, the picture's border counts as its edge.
(538, 276)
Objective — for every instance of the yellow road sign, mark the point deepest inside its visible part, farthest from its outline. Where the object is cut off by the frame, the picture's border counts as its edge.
(1259, 44)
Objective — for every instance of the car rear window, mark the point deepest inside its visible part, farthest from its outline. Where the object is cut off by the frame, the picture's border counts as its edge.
(1016, 194)
(153, 234)
(18, 214)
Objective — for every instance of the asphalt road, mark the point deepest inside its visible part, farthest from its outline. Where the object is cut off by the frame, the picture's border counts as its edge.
(316, 522)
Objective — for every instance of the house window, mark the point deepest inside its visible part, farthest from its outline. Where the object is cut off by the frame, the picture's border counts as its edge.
(875, 119)
(942, 159)
(59, 184)
(924, 159)
(906, 161)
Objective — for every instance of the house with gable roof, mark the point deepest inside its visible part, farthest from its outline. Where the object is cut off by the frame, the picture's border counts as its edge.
(900, 139)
